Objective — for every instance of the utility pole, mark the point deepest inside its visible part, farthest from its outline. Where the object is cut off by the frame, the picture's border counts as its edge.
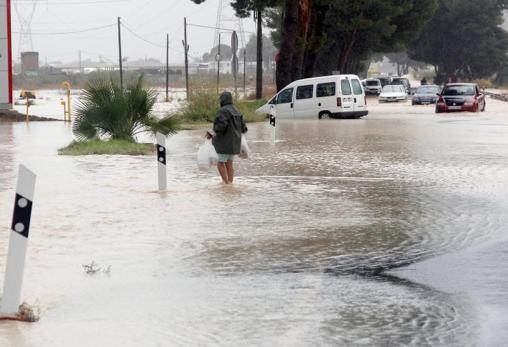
(186, 50)
(167, 67)
(259, 57)
(120, 53)
(218, 65)
(244, 71)
(80, 62)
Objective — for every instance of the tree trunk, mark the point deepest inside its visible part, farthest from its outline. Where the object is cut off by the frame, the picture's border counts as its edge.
(304, 26)
(314, 38)
(288, 39)
(348, 50)
(259, 57)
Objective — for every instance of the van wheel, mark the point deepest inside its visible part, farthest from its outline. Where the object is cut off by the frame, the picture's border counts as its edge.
(324, 114)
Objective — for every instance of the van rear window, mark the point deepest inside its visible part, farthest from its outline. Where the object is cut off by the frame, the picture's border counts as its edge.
(345, 87)
(325, 89)
(357, 87)
(304, 92)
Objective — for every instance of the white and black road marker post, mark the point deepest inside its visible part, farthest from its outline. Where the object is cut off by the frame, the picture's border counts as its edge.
(273, 118)
(161, 159)
(18, 240)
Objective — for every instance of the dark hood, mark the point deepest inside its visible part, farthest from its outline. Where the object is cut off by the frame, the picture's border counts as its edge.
(226, 99)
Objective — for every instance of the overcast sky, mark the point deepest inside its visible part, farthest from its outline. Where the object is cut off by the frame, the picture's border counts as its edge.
(149, 19)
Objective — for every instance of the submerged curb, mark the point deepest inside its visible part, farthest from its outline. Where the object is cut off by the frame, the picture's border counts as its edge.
(15, 116)
(502, 97)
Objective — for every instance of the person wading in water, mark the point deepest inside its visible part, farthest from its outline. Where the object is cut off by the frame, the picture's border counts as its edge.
(226, 136)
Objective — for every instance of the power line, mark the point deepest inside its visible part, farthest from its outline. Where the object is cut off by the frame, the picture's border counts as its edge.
(73, 32)
(148, 41)
(76, 2)
(142, 38)
(216, 28)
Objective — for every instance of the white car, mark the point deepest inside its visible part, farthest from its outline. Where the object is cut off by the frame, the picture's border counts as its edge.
(335, 96)
(393, 93)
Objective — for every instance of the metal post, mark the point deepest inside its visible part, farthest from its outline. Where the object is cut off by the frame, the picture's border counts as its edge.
(167, 67)
(27, 107)
(67, 107)
(218, 65)
(186, 49)
(234, 49)
(161, 160)
(120, 53)
(244, 71)
(259, 57)
(18, 240)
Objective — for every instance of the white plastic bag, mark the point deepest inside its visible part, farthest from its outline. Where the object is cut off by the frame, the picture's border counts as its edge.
(245, 152)
(207, 156)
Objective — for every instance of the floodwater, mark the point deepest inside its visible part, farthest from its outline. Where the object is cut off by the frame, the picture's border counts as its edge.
(385, 231)
(48, 102)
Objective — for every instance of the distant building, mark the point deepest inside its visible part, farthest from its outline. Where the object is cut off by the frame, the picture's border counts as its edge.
(30, 63)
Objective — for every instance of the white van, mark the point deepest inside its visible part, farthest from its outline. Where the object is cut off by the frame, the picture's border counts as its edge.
(336, 96)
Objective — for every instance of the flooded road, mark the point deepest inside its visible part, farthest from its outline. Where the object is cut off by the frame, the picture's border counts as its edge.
(384, 231)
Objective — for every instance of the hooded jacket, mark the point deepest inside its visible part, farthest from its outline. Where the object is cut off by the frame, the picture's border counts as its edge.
(228, 127)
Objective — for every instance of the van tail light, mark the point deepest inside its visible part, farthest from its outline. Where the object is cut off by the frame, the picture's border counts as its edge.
(339, 102)
(365, 98)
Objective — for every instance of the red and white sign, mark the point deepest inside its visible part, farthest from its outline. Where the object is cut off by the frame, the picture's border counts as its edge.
(5, 55)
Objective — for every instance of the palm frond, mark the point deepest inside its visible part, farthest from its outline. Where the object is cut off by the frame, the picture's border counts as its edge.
(106, 109)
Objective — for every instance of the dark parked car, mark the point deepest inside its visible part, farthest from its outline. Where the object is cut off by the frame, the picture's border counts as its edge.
(426, 94)
(384, 80)
(457, 97)
(402, 81)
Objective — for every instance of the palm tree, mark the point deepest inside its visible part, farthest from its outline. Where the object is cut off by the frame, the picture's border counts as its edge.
(107, 110)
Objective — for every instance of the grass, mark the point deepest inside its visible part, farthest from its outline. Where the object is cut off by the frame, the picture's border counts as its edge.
(203, 107)
(99, 147)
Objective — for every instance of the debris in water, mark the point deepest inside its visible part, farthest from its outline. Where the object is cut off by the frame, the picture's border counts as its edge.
(93, 268)
(26, 313)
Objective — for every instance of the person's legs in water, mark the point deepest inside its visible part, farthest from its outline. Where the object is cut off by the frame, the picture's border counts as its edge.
(230, 170)
(223, 171)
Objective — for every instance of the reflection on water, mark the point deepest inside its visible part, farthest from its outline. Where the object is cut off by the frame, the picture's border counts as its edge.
(293, 254)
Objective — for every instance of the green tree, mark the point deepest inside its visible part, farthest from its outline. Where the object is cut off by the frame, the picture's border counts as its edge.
(464, 39)
(320, 36)
(244, 8)
(107, 110)
(225, 52)
(269, 50)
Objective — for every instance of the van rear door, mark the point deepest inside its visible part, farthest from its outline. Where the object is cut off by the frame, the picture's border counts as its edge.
(347, 99)
(359, 96)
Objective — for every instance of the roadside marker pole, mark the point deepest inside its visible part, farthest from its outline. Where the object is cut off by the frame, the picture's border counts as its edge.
(273, 117)
(18, 241)
(161, 160)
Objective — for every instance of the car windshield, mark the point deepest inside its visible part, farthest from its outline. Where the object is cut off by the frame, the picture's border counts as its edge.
(373, 83)
(427, 90)
(459, 90)
(391, 88)
(399, 82)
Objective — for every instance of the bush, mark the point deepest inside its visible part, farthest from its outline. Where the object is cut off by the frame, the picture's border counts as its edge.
(484, 83)
(203, 107)
(107, 110)
(268, 91)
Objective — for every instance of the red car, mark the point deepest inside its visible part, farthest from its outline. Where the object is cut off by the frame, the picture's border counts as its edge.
(456, 97)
